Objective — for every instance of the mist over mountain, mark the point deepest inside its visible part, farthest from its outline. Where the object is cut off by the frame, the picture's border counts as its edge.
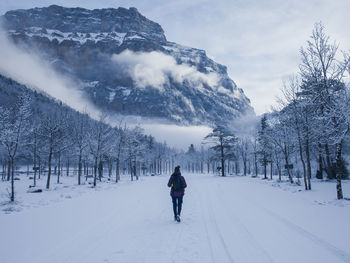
(125, 64)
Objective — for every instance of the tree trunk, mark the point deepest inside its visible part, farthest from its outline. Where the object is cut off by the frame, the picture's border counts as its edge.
(12, 180)
(160, 166)
(329, 170)
(39, 164)
(304, 167)
(49, 173)
(3, 170)
(135, 170)
(117, 174)
(85, 167)
(302, 157)
(320, 162)
(278, 169)
(271, 167)
(68, 164)
(9, 169)
(339, 170)
(308, 162)
(100, 170)
(222, 159)
(131, 170)
(34, 160)
(287, 164)
(79, 167)
(95, 172)
(245, 167)
(59, 168)
(265, 167)
(249, 166)
(109, 168)
(236, 167)
(256, 164)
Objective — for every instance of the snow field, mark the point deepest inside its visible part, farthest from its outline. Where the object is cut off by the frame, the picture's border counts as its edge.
(232, 219)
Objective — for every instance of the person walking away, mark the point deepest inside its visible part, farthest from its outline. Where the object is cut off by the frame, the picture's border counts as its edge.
(178, 184)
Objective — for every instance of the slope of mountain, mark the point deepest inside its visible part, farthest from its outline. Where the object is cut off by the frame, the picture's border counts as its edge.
(11, 90)
(126, 65)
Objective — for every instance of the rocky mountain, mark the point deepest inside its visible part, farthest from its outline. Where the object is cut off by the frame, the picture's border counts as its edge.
(125, 64)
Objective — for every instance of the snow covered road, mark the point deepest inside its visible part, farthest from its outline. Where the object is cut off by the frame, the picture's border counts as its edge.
(232, 219)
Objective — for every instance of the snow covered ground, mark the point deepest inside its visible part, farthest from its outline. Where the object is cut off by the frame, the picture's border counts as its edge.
(231, 219)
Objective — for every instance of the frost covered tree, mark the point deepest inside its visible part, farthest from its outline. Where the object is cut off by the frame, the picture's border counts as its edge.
(137, 148)
(223, 142)
(276, 134)
(191, 158)
(264, 149)
(323, 73)
(255, 152)
(100, 138)
(14, 125)
(313, 119)
(34, 144)
(80, 139)
(53, 132)
(243, 146)
(298, 109)
(338, 126)
(283, 139)
(119, 140)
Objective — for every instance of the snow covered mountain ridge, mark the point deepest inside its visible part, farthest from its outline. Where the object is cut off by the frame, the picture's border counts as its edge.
(126, 65)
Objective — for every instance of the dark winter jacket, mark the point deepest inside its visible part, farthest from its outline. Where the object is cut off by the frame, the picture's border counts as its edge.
(180, 192)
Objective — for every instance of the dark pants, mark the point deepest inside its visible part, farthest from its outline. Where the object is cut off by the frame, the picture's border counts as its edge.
(177, 204)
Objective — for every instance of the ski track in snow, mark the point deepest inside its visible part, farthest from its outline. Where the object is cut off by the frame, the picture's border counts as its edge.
(322, 243)
(222, 240)
(297, 229)
(263, 255)
(215, 239)
(207, 235)
(342, 255)
(224, 220)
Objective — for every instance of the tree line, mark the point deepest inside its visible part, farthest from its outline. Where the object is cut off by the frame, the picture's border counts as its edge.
(305, 136)
(313, 121)
(307, 133)
(54, 139)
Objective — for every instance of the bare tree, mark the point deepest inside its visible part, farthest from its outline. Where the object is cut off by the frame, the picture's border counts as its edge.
(298, 109)
(322, 74)
(243, 148)
(119, 144)
(14, 125)
(264, 147)
(100, 138)
(53, 131)
(136, 146)
(279, 135)
(224, 142)
(80, 137)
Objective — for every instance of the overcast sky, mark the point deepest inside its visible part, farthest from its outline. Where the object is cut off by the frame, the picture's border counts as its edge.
(257, 40)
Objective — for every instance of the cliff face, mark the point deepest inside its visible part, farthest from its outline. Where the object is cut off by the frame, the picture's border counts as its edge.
(126, 65)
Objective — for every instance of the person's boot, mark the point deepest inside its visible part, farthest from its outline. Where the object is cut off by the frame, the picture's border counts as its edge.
(178, 219)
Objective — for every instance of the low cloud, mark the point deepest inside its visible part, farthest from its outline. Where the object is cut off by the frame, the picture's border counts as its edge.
(245, 126)
(29, 69)
(154, 69)
(179, 137)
